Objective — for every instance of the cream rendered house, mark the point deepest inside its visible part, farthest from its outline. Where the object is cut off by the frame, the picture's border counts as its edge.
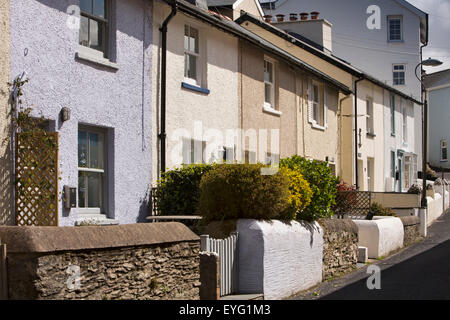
(358, 158)
(202, 85)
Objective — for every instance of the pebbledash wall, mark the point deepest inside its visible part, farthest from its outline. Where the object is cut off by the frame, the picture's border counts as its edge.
(115, 97)
(5, 160)
(140, 262)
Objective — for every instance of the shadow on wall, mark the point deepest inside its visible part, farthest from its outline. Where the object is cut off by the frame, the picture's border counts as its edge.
(6, 217)
(144, 208)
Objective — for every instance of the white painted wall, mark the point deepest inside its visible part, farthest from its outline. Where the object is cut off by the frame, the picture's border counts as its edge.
(279, 259)
(216, 110)
(381, 235)
(411, 145)
(434, 208)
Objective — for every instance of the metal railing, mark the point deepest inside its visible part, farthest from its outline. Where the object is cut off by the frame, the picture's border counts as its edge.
(227, 249)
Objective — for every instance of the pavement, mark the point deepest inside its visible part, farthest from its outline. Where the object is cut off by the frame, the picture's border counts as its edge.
(420, 271)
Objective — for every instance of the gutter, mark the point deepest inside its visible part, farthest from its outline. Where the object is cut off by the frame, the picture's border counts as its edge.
(162, 135)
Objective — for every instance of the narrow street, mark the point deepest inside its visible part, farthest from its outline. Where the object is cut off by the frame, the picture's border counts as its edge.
(420, 271)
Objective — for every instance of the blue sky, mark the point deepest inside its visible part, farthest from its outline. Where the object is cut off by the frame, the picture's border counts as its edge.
(439, 30)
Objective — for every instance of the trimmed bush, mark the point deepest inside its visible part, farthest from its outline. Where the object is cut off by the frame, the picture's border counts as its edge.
(377, 209)
(178, 190)
(300, 195)
(239, 191)
(322, 182)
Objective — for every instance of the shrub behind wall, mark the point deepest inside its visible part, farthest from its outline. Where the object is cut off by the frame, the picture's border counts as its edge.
(322, 182)
(178, 190)
(240, 191)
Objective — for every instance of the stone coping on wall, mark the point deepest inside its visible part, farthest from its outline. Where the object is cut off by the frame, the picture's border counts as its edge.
(410, 220)
(51, 239)
(336, 225)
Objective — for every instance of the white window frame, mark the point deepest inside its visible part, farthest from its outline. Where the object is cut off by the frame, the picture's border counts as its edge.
(369, 116)
(105, 22)
(317, 106)
(399, 71)
(271, 107)
(443, 145)
(389, 19)
(198, 81)
(405, 123)
(103, 193)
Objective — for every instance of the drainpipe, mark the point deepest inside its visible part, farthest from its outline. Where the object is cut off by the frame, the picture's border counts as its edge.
(423, 93)
(356, 133)
(341, 101)
(162, 135)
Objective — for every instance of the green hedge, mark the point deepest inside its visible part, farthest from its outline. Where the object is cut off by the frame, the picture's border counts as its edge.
(322, 182)
(178, 191)
(240, 191)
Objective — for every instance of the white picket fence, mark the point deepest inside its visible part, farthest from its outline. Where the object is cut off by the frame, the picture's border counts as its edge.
(227, 250)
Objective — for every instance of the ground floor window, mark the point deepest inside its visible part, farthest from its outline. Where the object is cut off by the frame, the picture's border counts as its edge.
(91, 170)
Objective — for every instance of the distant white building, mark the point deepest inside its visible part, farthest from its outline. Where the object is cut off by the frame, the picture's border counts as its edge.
(384, 43)
(383, 40)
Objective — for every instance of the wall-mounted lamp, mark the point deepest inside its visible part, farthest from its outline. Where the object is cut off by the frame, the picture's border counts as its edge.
(65, 114)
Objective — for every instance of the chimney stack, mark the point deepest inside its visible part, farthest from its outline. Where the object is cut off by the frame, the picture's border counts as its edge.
(304, 16)
(280, 17)
(293, 17)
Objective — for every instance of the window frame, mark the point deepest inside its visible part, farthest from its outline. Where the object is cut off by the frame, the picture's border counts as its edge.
(370, 116)
(321, 103)
(103, 194)
(392, 107)
(441, 148)
(394, 72)
(389, 35)
(198, 81)
(272, 104)
(106, 22)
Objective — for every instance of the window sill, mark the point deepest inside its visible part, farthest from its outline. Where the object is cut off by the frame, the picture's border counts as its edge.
(90, 55)
(269, 109)
(318, 126)
(95, 220)
(194, 88)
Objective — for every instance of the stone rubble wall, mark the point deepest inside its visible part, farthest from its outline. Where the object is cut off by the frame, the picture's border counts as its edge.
(411, 226)
(340, 247)
(163, 263)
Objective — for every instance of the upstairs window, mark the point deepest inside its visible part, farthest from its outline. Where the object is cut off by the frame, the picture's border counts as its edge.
(395, 28)
(94, 25)
(369, 116)
(192, 71)
(444, 150)
(269, 84)
(392, 114)
(398, 74)
(317, 104)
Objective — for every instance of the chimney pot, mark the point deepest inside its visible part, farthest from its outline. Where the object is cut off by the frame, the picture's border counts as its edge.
(280, 17)
(293, 17)
(304, 16)
(315, 15)
(268, 18)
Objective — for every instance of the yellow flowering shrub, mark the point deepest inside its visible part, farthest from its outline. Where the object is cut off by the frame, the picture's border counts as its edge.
(300, 194)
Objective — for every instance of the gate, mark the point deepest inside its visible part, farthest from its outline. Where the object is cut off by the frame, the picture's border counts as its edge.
(36, 179)
(227, 250)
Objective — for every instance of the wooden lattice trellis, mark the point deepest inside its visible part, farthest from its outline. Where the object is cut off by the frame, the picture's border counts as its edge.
(36, 185)
(352, 203)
